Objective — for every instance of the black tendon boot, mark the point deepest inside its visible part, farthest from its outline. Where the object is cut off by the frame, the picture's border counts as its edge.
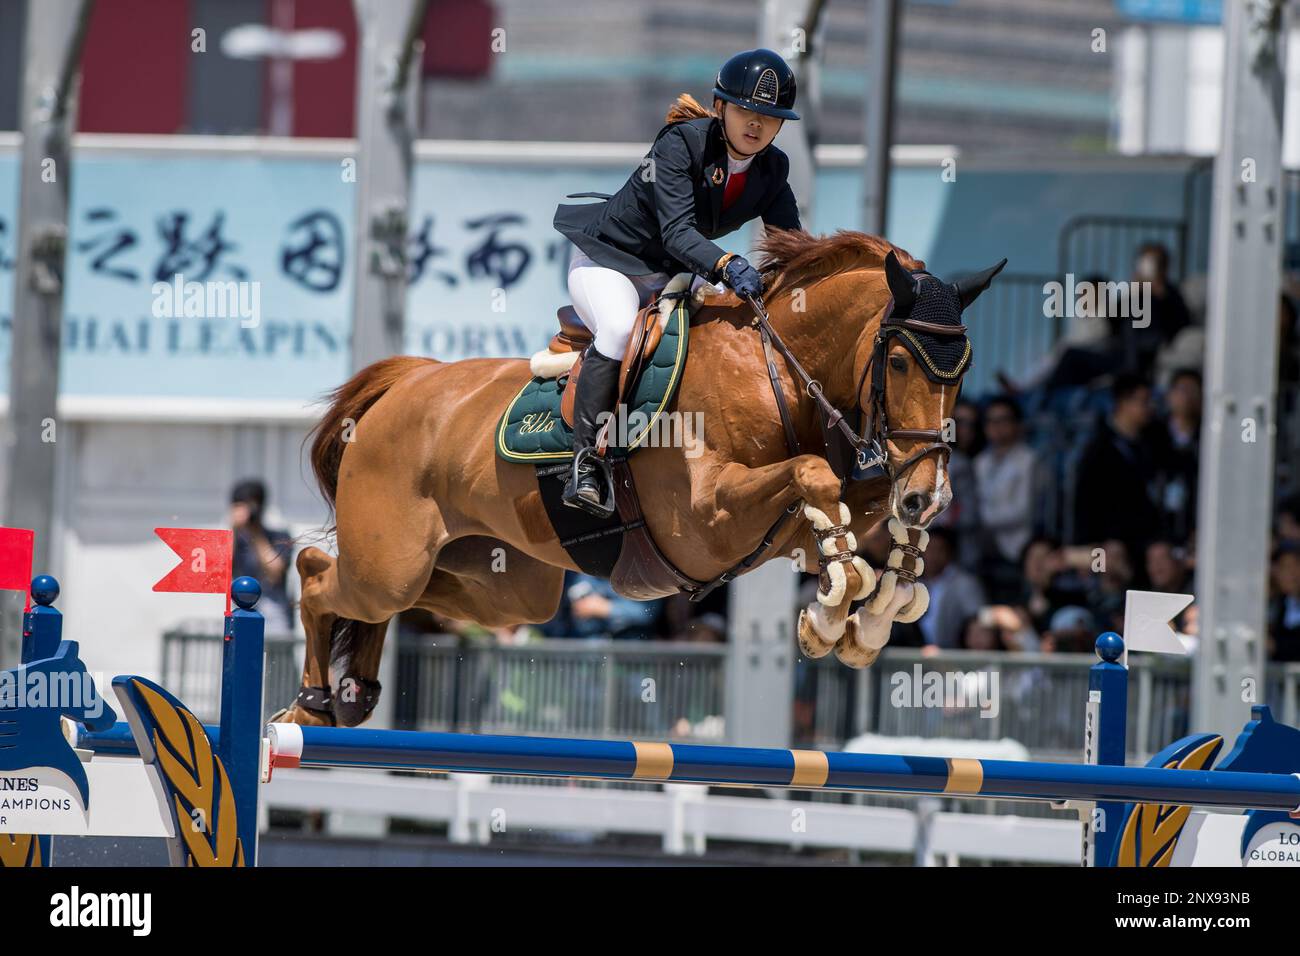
(588, 487)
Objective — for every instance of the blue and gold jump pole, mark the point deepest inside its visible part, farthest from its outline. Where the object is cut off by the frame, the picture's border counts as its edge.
(295, 746)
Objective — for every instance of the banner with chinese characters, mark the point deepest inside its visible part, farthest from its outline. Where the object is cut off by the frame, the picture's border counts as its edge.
(485, 270)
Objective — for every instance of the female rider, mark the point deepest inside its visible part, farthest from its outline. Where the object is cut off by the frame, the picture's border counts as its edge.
(707, 174)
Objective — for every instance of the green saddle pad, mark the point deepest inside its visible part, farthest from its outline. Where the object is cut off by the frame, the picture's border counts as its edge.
(532, 431)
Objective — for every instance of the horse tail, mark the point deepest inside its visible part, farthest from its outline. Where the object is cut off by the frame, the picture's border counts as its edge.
(348, 403)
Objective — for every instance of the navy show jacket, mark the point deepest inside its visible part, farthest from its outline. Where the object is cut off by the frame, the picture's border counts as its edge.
(664, 217)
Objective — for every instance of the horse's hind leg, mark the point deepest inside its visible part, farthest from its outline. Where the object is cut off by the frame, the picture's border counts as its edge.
(342, 658)
(486, 581)
(315, 701)
(346, 605)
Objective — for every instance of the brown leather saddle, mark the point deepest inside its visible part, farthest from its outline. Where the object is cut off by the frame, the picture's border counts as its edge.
(619, 548)
(575, 337)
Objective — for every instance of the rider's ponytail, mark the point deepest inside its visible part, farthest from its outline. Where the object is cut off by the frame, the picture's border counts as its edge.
(686, 107)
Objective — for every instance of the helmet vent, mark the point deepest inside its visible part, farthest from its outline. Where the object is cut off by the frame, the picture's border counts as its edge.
(765, 90)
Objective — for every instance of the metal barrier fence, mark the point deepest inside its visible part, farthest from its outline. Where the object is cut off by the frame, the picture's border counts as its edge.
(1008, 331)
(192, 664)
(592, 688)
(1106, 245)
(574, 687)
(649, 690)
(1028, 697)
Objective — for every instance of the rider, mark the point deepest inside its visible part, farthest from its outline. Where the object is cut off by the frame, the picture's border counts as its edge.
(704, 177)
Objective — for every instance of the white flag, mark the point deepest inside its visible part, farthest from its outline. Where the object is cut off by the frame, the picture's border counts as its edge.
(1147, 616)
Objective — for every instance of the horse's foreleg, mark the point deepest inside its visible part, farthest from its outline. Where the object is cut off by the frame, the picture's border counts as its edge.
(899, 597)
(843, 577)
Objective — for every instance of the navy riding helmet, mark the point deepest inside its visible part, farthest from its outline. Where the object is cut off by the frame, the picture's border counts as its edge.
(758, 80)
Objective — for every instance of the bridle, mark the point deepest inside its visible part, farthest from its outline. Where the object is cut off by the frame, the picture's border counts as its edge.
(870, 450)
(904, 329)
(871, 444)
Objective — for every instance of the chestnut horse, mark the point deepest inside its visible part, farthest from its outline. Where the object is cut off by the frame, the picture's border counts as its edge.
(427, 516)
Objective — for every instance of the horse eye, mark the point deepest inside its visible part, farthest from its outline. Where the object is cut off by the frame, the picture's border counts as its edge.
(898, 363)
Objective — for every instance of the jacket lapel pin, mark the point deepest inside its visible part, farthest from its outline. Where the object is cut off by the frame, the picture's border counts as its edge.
(718, 176)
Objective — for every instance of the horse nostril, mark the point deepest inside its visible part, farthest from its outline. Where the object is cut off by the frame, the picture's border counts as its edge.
(916, 502)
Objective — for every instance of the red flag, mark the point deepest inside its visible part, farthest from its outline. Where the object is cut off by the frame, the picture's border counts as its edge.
(205, 566)
(16, 546)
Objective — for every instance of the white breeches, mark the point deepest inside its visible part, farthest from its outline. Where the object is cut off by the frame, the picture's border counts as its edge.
(607, 301)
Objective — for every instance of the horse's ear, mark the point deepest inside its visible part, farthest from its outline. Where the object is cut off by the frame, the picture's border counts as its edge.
(970, 287)
(900, 284)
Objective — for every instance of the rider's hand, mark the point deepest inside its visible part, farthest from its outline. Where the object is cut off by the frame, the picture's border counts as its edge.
(743, 278)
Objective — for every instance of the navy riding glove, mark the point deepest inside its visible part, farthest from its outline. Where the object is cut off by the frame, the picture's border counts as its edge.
(743, 278)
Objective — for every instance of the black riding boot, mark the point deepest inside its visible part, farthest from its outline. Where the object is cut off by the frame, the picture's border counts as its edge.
(597, 391)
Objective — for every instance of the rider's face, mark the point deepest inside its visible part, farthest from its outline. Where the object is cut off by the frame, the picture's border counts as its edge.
(747, 131)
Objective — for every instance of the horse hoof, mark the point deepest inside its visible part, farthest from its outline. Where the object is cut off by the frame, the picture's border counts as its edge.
(293, 714)
(849, 653)
(865, 636)
(811, 642)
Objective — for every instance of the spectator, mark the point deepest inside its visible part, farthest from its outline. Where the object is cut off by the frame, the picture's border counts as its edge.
(1049, 583)
(955, 594)
(980, 635)
(1110, 575)
(261, 552)
(1111, 498)
(1284, 609)
(1167, 570)
(1005, 476)
(1168, 312)
(1177, 444)
(1051, 580)
(1288, 520)
(1288, 356)
(1012, 626)
(1073, 631)
(1092, 346)
(962, 515)
(590, 607)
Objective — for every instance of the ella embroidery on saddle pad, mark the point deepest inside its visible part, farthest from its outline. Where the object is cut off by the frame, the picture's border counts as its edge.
(531, 431)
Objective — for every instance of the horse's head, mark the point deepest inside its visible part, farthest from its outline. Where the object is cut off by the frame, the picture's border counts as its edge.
(918, 356)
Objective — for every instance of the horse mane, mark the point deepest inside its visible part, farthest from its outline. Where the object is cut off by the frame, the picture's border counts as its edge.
(794, 258)
(686, 107)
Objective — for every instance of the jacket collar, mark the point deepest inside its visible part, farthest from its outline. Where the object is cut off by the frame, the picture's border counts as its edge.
(715, 161)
